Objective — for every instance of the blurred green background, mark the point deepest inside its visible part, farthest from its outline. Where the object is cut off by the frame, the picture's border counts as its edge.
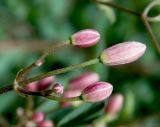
(27, 27)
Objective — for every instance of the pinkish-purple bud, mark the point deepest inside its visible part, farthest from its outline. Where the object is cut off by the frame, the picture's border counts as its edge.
(82, 81)
(58, 88)
(96, 92)
(123, 53)
(115, 104)
(31, 86)
(46, 123)
(45, 83)
(38, 117)
(85, 38)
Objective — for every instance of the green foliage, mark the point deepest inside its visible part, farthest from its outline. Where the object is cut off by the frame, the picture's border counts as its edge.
(54, 21)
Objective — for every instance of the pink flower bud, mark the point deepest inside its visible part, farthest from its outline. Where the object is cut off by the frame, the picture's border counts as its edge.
(20, 112)
(85, 38)
(96, 92)
(45, 83)
(123, 53)
(31, 86)
(115, 104)
(69, 94)
(38, 117)
(58, 88)
(82, 81)
(46, 123)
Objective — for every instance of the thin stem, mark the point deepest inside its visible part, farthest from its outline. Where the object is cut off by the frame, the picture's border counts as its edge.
(54, 72)
(151, 34)
(6, 89)
(118, 7)
(60, 71)
(48, 96)
(144, 20)
(29, 106)
(40, 61)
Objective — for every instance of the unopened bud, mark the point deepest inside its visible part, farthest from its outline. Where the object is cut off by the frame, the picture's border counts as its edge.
(31, 86)
(38, 117)
(85, 38)
(45, 83)
(58, 88)
(123, 53)
(114, 104)
(20, 111)
(82, 81)
(46, 123)
(96, 92)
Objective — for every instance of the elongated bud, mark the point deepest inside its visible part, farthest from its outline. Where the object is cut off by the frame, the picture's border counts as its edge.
(45, 83)
(123, 53)
(58, 88)
(82, 81)
(115, 104)
(38, 117)
(46, 123)
(31, 86)
(96, 92)
(85, 38)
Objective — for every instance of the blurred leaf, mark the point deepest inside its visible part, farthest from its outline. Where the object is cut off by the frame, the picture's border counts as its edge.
(108, 11)
(81, 114)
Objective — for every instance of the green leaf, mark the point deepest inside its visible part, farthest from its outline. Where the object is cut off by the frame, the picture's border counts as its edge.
(81, 114)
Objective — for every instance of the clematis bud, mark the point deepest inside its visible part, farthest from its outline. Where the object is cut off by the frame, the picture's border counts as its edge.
(31, 86)
(82, 81)
(115, 104)
(85, 38)
(38, 117)
(58, 88)
(96, 92)
(20, 112)
(123, 53)
(46, 123)
(41, 85)
(45, 83)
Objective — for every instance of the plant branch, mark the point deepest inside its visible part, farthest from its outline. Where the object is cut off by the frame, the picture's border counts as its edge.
(144, 18)
(150, 33)
(6, 89)
(60, 71)
(118, 7)
(47, 94)
(40, 61)
(54, 72)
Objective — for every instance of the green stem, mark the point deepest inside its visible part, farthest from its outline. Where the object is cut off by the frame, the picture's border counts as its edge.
(48, 96)
(153, 38)
(150, 33)
(6, 89)
(40, 61)
(119, 7)
(29, 106)
(60, 71)
(54, 72)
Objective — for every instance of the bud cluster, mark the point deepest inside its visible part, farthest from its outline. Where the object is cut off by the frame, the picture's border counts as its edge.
(37, 119)
(44, 84)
